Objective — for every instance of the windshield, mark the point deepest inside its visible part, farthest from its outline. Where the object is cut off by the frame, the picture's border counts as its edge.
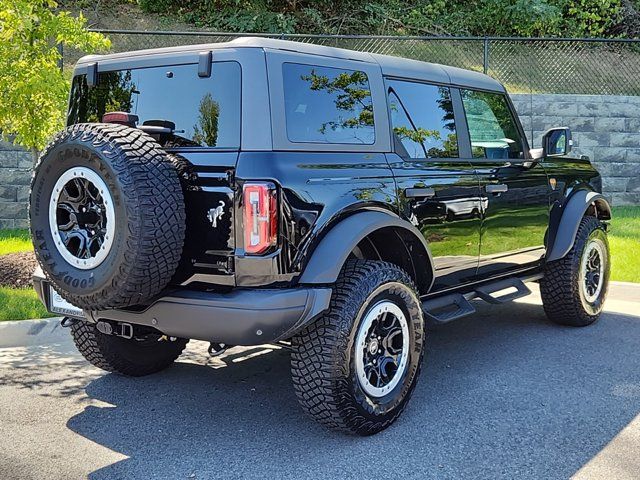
(205, 111)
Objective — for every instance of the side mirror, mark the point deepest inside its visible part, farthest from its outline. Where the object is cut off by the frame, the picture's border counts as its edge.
(557, 141)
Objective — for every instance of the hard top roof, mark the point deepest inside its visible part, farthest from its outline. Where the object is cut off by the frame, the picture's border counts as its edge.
(390, 66)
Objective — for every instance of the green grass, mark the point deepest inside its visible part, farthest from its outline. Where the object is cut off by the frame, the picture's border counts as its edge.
(13, 241)
(624, 241)
(20, 304)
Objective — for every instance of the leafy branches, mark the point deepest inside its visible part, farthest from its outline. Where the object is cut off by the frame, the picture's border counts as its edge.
(205, 132)
(402, 17)
(418, 135)
(352, 96)
(34, 90)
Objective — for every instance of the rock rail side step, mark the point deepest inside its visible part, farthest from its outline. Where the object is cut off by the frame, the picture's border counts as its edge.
(456, 305)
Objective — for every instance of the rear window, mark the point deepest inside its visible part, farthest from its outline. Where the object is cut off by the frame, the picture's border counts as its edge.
(327, 105)
(205, 111)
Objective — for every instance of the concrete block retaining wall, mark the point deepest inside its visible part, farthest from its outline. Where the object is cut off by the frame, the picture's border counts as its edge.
(605, 127)
(15, 176)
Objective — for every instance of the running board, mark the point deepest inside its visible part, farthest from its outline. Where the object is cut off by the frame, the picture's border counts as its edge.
(447, 308)
(488, 292)
(456, 305)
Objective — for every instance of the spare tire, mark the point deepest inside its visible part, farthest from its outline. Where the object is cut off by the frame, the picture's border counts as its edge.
(107, 216)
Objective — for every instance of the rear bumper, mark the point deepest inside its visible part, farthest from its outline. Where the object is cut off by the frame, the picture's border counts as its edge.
(241, 317)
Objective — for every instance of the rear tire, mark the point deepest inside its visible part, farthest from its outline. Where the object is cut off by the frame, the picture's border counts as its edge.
(130, 357)
(574, 288)
(354, 369)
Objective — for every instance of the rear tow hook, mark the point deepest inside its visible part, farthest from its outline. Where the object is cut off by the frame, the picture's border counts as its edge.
(67, 322)
(217, 349)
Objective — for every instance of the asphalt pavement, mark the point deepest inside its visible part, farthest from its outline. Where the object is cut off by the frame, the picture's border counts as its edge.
(503, 394)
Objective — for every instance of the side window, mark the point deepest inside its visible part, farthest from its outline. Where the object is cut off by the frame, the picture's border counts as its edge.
(492, 128)
(327, 105)
(422, 119)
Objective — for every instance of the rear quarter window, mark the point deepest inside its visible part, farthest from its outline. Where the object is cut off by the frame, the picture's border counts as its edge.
(205, 111)
(327, 105)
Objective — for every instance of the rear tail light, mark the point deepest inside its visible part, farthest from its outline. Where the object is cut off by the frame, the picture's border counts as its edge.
(260, 217)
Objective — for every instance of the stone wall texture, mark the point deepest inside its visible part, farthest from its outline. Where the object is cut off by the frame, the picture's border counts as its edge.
(606, 128)
(15, 176)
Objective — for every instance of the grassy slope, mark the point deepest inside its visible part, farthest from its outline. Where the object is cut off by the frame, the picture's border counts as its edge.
(13, 241)
(20, 304)
(624, 240)
(505, 60)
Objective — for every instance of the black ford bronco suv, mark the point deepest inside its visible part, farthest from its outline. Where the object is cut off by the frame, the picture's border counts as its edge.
(335, 202)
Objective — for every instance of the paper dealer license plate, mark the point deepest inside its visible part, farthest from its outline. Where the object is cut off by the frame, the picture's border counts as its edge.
(60, 305)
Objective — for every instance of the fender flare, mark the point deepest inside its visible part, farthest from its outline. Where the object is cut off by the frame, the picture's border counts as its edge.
(573, 211)
(333, 250)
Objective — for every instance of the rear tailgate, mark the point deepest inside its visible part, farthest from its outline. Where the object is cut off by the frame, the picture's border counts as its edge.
(209, 203)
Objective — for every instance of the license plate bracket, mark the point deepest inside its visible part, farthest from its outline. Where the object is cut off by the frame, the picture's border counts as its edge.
(57, 304)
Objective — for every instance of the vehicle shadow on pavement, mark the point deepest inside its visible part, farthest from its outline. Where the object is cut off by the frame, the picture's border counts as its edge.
(50, 370)
(502, 394)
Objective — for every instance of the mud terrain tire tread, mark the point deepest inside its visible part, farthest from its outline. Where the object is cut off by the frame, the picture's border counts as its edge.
(115, 354)
(321, 353)
(155, 210)
(559, 287)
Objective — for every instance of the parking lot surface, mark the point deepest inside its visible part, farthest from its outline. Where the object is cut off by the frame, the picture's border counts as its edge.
(503, 394)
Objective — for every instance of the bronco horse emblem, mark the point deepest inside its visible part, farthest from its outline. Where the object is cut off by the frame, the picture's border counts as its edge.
(216, 214)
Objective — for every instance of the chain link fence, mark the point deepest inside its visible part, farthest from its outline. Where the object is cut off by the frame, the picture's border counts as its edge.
(580, 66)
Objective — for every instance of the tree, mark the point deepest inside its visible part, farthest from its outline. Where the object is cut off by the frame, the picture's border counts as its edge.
(206, 131)
(352, 95)
(33, 89)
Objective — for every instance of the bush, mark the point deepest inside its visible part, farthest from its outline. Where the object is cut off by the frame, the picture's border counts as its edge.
(412, 17)
(157, 6)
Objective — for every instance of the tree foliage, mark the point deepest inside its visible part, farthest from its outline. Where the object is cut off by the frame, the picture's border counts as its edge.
(409, 17)
(352, 96)
(205, 132)
(33, 92)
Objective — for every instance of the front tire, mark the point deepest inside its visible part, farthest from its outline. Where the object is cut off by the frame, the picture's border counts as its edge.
(134, 357)
(574, 288)
(354, 369)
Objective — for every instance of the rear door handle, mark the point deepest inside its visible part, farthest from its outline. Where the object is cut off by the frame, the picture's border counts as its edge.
(500, 188)
(419, 192)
